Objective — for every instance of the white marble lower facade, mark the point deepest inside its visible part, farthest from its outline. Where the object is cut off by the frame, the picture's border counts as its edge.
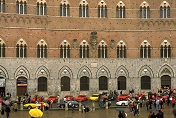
(54, 69)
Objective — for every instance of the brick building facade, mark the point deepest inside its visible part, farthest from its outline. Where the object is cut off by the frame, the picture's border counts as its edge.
(76, 46)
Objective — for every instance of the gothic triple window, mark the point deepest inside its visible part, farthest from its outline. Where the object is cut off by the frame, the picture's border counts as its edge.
(2, 48)
(102, 10)
(164, 10)
(165, 49)
(84, 49)
(120, 10)
(102, 50)
(21, 49)
(64, 8)
(121, 50)
(42, 49)
(65, 49)
(41, 7)
(145, 50)
(2, 6)
(21, 7)
(144, 10)
(83, 9)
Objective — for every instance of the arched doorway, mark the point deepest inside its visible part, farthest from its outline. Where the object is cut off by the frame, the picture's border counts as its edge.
(21, 86)
(65, 83)
(121, 83)
(2, 86)
(84, 83)
(145, 82)
(103, 83)
(165, 81)
(42, 84)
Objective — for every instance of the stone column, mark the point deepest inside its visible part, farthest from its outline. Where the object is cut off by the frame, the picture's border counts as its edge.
(80, 106)
(93, 105)
(66, 106)
(21, 105)
(106, 104)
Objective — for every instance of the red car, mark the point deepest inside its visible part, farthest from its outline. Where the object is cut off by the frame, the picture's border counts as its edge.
(53, 98)
(81, 98)
(39, 99)
(68, 97)
(122, 97)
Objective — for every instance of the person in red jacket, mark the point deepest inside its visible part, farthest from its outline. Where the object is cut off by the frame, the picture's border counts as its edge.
(173, 102)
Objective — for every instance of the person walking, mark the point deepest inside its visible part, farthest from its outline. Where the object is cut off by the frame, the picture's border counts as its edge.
(15, 106)
(41, 107)
(2, 112)
(173, 102)
(46, 108)
(157, 105)
(160, 114)
(131, 107)
(153, 115)
(51, 103)
(150, 114)
(7, 110)
(147, 104)
(120, 114)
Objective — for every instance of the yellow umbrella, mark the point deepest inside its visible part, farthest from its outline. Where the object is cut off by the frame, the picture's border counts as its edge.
(36, 113)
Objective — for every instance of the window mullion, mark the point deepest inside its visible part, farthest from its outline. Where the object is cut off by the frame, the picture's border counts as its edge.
(23, 51)
(163, 53)
(167, 51)
(65, 10)
(23, 8)
(66, 52)
(143, 52)
(147, 51)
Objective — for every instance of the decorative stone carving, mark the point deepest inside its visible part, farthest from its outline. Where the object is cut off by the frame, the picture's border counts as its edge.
(74, 43)
(112, 44)
(93, 42)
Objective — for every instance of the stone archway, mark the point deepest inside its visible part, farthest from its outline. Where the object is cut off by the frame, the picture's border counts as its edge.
(21, 86)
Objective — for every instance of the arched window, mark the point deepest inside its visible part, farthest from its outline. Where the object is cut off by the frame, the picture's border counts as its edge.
(83, 9)
(145, 50)
(121, 50)
(21, 7)
(165, 81)
(164, 10)
(42, 49)
(103, 83)
(102, 50)
(2, 48)
(102, 9)
(2, 6)
(42, 84)
(41, 7)
(21, 49)
(145, 82)
(121, 83)
(64, 8)
(65, 83)
(120, 10)
(144, 10)
(84, 83)
(165, 49)
(84, 49)
(65, 49)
